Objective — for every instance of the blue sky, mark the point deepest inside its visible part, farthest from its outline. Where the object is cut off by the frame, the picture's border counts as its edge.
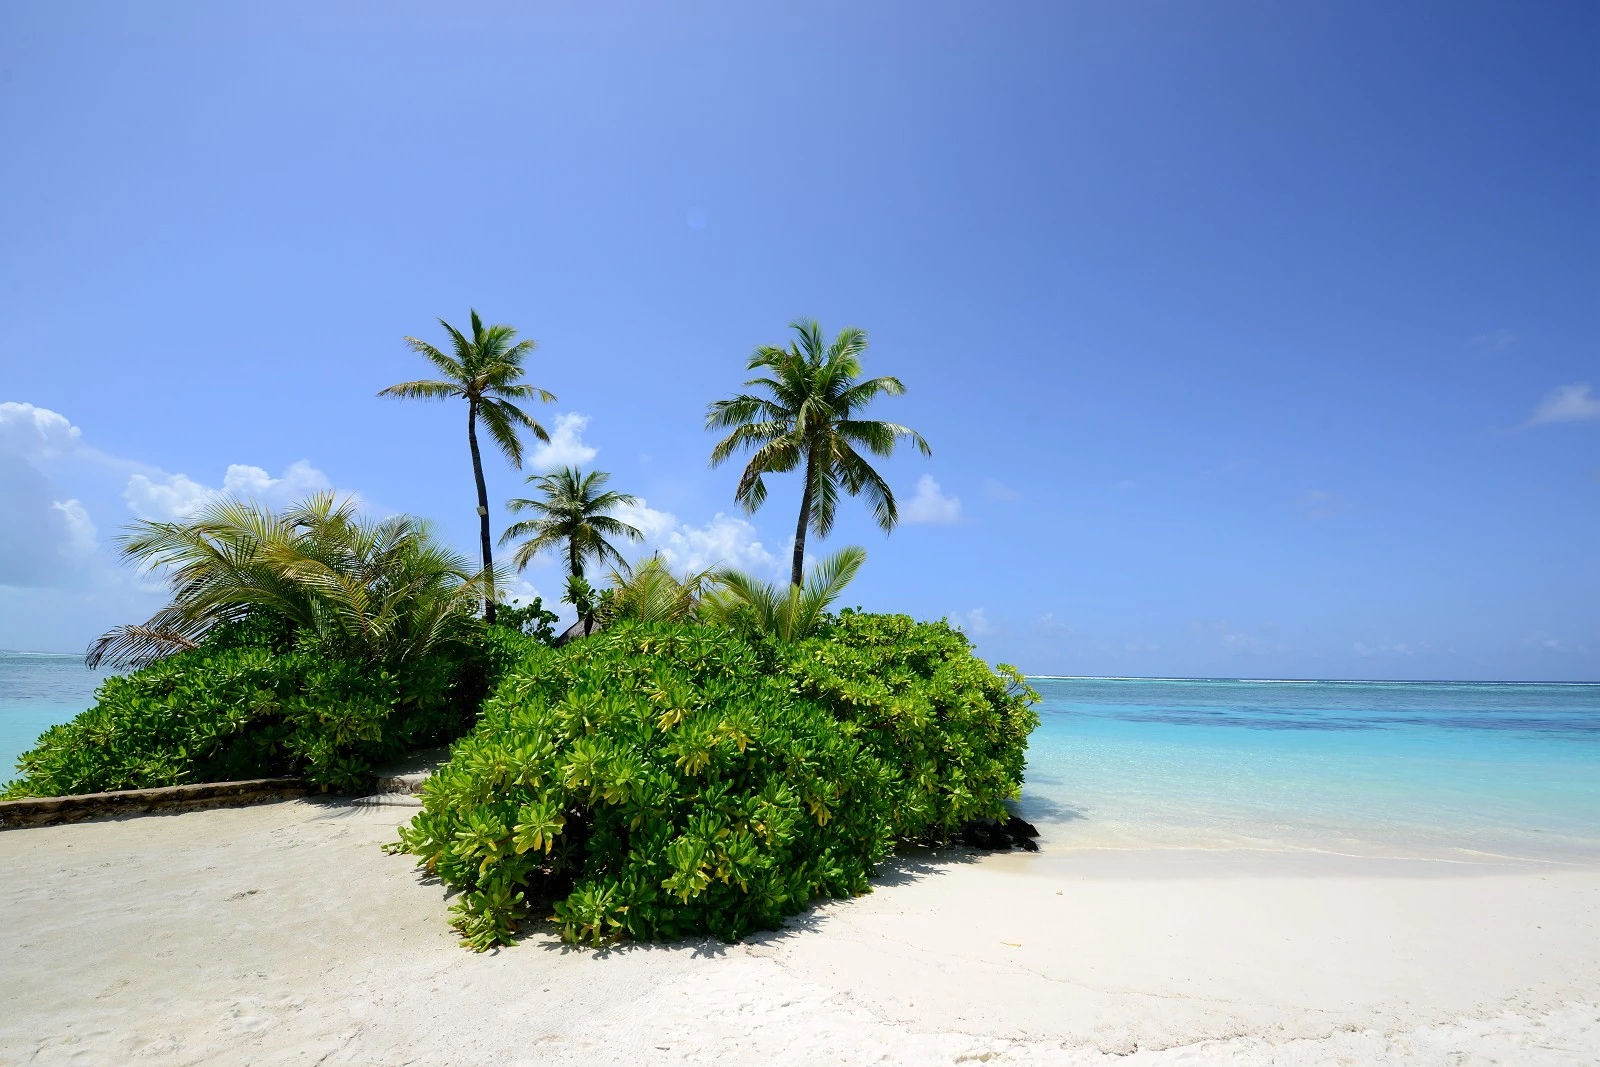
(1251, 339)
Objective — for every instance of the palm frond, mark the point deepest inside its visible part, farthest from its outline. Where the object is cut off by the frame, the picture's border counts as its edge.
(422, 389)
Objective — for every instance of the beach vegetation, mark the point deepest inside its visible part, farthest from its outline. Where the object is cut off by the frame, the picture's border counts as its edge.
(951, 730)
(650, 592)
(256, 701)
(532, 620)
(308, 642)
(486, 371)
(653, 781)
(804, 410)
(373, 590)
(788, 612)
(661, 780)
(572, 515)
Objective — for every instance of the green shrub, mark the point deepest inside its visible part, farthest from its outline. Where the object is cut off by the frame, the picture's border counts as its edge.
(952, 732)
(531, 620)
(250, 703)
(653, 781)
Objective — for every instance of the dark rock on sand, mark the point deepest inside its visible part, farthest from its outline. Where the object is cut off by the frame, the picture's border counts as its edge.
(994, 836)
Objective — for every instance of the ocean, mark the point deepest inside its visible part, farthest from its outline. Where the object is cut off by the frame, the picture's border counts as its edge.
(1446, 770)
(37, 691)
(1439, 769)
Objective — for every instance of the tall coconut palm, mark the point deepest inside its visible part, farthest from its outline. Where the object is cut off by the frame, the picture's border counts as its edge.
(486, 371)
(809, 416)
(572, 514)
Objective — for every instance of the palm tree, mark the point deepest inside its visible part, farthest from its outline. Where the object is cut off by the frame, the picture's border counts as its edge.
(650, 592)
(810, 417)
(384, 590)
(486, 371)
(790, 613)
(574, 514)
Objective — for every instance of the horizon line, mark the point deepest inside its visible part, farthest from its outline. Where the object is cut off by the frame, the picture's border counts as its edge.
(1301, 681)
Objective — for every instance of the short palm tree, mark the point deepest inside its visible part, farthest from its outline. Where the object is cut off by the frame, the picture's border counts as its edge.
(486, 371)
(385, 590)
(650, 592)
(808, 415)
(572, 514)
(788, 613)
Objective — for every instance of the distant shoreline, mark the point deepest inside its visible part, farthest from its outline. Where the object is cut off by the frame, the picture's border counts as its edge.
(1297, 681)
(1135, 677)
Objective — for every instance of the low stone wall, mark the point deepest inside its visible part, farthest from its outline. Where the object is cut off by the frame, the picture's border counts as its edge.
(46, 811)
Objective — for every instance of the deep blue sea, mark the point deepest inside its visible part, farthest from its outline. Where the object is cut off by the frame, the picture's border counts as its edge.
(37, 691)
(1438, 769)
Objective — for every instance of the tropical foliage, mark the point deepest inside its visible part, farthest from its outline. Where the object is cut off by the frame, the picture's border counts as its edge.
(373, 590)
(787, 613)
(251, 702)
(573, 514)
(531, 620)
(952, 732)
(486, 371)
(650, 592)
(806, 413)
(661, 780)
(722, 753)
(653, 782)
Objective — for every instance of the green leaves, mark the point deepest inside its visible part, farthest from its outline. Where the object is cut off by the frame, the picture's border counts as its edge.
(789, 613)
(806, 412)
(384, 590)
(665, 780)
(571, 515)
(240, 707)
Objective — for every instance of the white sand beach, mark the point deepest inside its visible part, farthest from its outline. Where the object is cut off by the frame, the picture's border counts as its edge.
(280, 934)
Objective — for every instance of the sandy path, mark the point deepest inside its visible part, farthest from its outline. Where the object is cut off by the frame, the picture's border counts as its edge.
(281, 934)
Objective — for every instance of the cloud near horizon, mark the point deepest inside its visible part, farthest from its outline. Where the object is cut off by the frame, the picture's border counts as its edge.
(47, 539)
(1567, 403)
(172, 497)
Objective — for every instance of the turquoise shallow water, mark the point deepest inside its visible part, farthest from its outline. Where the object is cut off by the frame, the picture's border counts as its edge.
(1445, 770)
(37, 691)
(1448, 770)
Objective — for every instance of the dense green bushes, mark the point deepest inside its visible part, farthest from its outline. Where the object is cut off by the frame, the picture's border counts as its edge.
(309, 641)
(952, 731)
(655, 781)
(251, 702)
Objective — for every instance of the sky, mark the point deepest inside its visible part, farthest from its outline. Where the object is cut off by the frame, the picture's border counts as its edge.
(1251, 339)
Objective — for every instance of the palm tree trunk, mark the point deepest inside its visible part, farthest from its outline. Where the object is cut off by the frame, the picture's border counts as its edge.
(574, 561)
(798, 574)
(483, 512)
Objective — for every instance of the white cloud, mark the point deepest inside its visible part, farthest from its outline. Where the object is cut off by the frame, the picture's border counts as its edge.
(999, 490)
(1567, 403)
(170, 497)
(566, 447)
(47, 539)
(725, 541)
(81, 534)
(58, 584)
(34, 432)
(974, 623)
(930, 505)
